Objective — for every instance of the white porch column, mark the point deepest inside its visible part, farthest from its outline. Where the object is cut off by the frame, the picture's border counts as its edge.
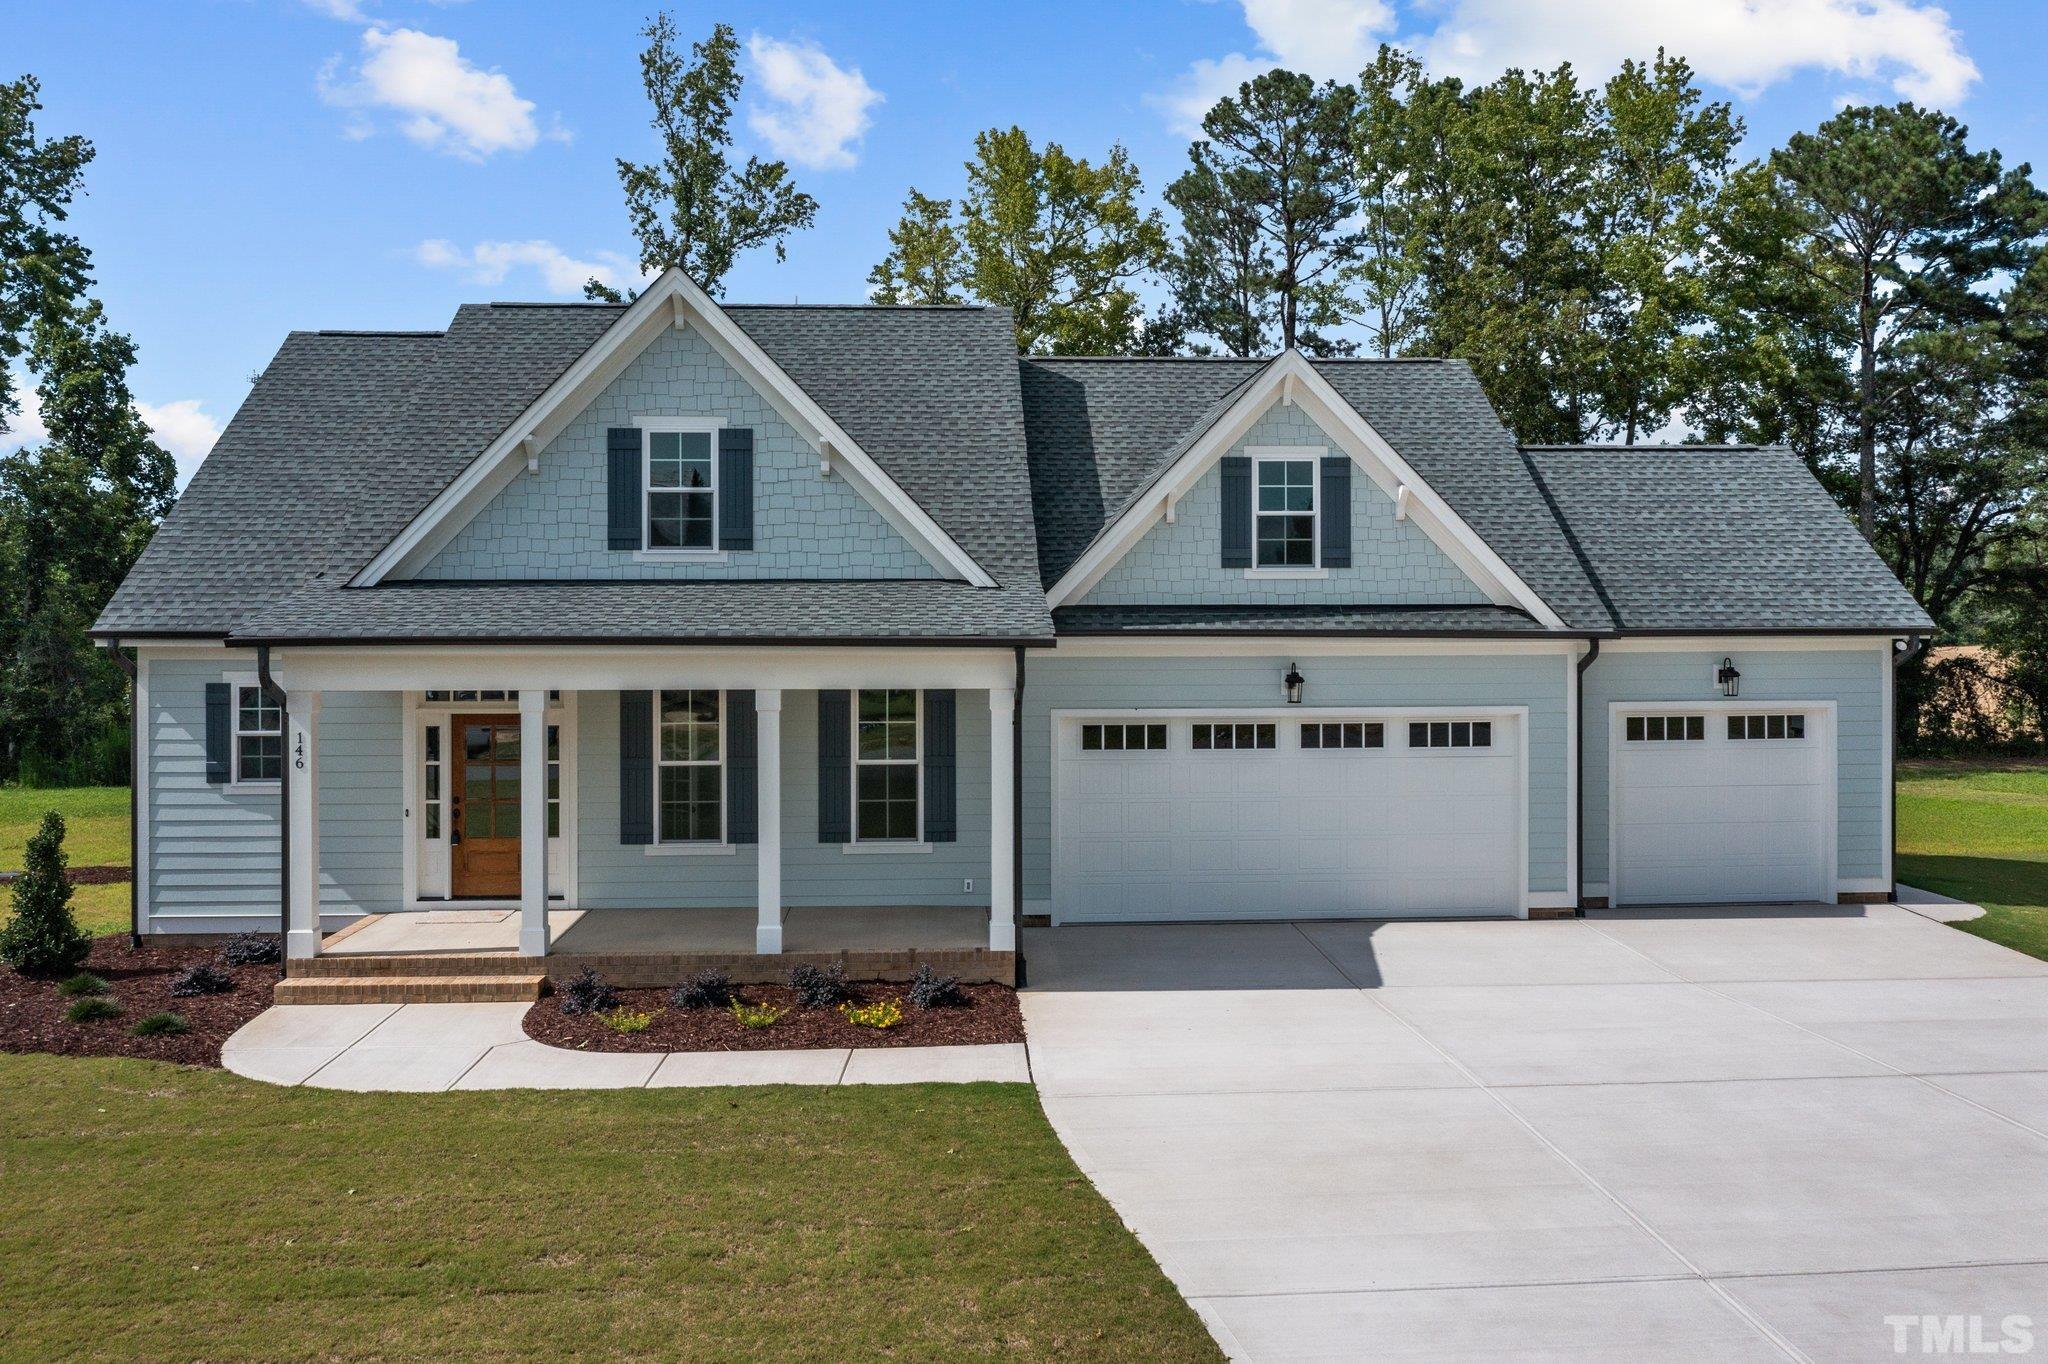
(302, 778)
(533, 821)
(1002, 809)
(768, 816)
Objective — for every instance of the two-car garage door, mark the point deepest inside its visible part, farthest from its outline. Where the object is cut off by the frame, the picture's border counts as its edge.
(1287, 815)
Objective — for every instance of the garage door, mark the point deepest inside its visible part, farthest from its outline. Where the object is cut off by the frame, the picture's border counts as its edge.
(1722, 805)
(1265, 816)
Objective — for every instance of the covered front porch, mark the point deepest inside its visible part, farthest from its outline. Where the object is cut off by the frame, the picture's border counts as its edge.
(667, 808)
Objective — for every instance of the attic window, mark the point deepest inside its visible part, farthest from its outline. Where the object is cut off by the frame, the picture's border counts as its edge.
(682, 489)
(1285, 520)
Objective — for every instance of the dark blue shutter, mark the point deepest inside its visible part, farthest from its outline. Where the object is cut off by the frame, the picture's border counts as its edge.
(941, 780)
(636, 767)
(220, 734)
(1336, 506)
(736, 488)
(622, 487)
(742, 768)
(835, 767)
(1237, 511)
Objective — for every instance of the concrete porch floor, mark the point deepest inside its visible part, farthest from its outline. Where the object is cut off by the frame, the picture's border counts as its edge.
(455, 931)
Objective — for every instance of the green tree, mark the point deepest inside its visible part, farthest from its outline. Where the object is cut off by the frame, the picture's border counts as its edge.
(1056, 239)
(926, 261)
(42, 268)
(1267, 206)
(42, 939)
(694, 209)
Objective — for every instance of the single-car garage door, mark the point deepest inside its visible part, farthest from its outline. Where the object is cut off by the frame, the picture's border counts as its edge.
(1290, 815)
(1722, 805)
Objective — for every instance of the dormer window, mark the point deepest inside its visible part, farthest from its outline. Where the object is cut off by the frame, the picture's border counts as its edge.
(1284, 512)
(681, 483)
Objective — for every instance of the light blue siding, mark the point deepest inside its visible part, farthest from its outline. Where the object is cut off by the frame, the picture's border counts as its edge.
(813, 873)
(213, 850)
(1854, 679)
(1178, 564)
(1538, 681)
(552, 524)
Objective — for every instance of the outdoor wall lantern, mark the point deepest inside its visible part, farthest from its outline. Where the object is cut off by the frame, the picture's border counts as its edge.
(1729, 678)
(1292, 682)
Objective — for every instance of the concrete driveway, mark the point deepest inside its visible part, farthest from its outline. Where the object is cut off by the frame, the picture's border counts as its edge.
(1714, 1135)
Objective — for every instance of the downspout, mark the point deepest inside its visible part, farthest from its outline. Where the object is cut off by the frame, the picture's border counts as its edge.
(133, 669)
(1915, 646)
(1017, 814)
(276, 695)
(1579, 769)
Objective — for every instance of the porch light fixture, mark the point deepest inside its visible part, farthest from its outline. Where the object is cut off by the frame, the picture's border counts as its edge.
(1729, 678)
(1292, 682)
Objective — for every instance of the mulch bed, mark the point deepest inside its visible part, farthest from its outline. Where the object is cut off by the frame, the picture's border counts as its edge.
(990, 1015)
(139, 980)
(83, 876)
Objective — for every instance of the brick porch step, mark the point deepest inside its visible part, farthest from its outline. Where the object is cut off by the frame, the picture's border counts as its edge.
(500, 988)
(355, 966)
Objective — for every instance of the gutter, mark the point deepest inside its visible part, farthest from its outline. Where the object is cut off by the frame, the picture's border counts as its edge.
(276, 695)
(1915, 646)
(1017, 818)
(134, 671)
(1579, 770)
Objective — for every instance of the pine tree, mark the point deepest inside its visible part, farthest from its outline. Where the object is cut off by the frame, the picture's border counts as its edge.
(42, 939)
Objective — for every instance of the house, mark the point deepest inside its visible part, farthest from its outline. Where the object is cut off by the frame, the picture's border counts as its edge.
(738, 614)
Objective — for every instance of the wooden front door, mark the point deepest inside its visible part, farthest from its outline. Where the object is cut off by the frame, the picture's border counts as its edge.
(483, 843)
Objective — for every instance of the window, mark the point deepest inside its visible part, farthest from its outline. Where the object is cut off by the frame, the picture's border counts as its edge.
(1122, 738)
(681, 490)
(430, 787)
(1235, 735)
(1450, 734)
(1343, 734)
(1767, 726)
(689, 777)
(443, 697)
(554, 781)
(1284, 523)
(1666, 728)
(259, 736)
(885, 765)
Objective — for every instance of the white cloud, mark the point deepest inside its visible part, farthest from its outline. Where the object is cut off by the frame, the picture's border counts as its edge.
(1745, 45)
(561, 273)
(442, 101)
(815, 111)
(26, 426)
(1326, 39)
(185, 430)
(350, 10)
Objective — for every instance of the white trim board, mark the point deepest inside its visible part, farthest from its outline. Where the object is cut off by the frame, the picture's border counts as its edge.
(671, 301)
(1291, 378)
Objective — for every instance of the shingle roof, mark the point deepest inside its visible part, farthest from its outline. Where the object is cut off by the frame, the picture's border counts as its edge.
(1101, 431)
(1696, 537)
(344, 439)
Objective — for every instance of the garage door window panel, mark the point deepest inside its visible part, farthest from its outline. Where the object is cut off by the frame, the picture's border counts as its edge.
(1123, 738)
(1666, 729)
(1325, 735)
(1783, 727)
(1450, 734)
(1235, 735)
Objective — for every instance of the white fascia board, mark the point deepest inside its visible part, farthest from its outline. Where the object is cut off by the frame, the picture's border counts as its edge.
(1306, 646)
(1728, 644)
(636, 667)
(1292, 375)
(672, 300)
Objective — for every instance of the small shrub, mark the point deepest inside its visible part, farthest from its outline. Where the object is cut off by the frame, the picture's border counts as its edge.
(91, 1009)
(886, 1014)
(755, 1015)
(930, 990)
(588, 994)
(820, 987)
(84, 983)
(627, 1020)
(710, 988)
(42, 939)
(202, 979)
(160, 1025)
(251, 949)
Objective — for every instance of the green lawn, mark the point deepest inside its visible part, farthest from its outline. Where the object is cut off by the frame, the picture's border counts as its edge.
(1978, 830)
(95, 834)
(159, 1212)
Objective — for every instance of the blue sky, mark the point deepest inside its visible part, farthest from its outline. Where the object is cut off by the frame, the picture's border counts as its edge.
(267, 165)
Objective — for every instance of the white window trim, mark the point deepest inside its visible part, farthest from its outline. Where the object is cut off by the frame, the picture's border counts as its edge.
(236, 782)
(888, 844)
(650, 426)
(671, 847)
(1311, 455)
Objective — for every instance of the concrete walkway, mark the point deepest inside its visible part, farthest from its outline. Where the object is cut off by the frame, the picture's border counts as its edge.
(1741, 1134)
(428, 1047)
